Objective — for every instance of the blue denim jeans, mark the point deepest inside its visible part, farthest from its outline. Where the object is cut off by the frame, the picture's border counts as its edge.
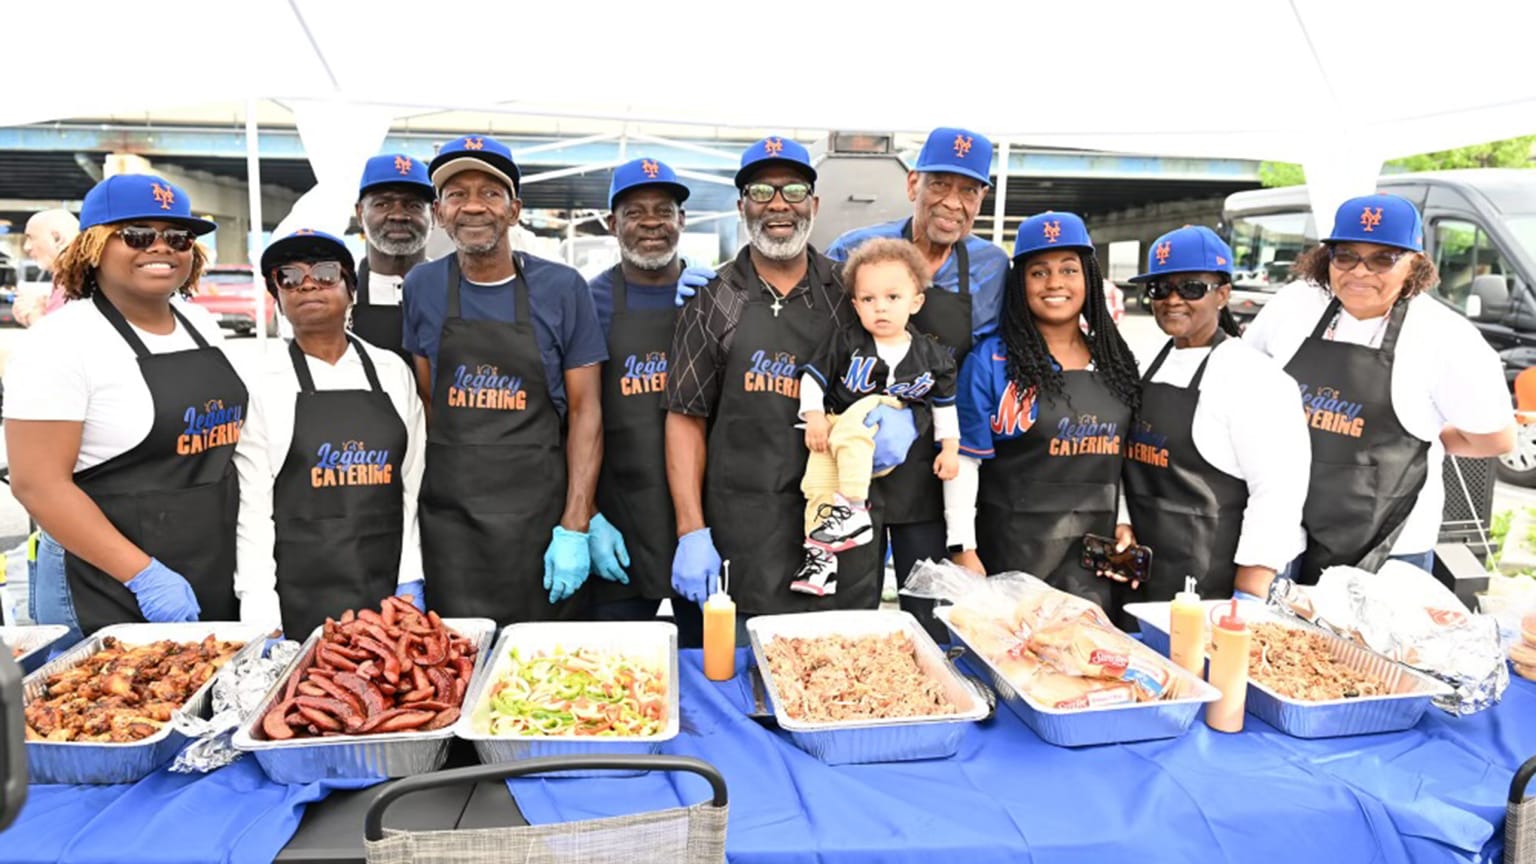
(49, 601)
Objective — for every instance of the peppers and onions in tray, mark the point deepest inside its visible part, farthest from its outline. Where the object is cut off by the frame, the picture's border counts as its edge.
(578, 693)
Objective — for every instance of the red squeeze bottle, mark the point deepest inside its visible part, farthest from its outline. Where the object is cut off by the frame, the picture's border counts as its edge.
(1229, 672)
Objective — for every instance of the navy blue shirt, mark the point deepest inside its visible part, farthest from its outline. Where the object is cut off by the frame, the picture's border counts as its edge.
(564, 322)
(642, 298)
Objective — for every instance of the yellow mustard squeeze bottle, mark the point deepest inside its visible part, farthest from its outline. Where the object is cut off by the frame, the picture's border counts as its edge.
(1186, 629)
(720, 631)
(1229, 672)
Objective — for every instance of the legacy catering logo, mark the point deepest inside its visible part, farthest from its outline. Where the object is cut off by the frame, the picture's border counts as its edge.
(1328, 410)
(351, 464)
(1148, 446)
(485, 387)
(644, 374)
(773, 373)
(1085, 436)
(209, 425)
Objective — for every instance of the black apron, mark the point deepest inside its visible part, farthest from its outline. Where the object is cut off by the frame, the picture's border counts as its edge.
(632, 488)
(494, 485)
(338, 524)
(1033, 508)
(1367, 469)
(752, 498)
(912, 493)
(382, 326)
(1189, 511)
(176, 494)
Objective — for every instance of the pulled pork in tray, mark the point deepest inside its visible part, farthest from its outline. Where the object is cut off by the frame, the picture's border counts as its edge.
(836, 678)
(1299, 664)
(123, 693)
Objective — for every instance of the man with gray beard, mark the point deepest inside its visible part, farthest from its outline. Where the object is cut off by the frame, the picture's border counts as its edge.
(393, 206)
(734, 457)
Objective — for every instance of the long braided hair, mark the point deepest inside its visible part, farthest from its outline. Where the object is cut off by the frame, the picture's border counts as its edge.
(1029, 361)
(1227, 323)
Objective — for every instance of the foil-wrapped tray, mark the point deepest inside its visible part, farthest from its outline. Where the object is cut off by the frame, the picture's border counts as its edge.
(1409, 696)
(897, 739)
(352, 757)
(1112, 724)
(33, 641)
(651, 642)
(81, 762)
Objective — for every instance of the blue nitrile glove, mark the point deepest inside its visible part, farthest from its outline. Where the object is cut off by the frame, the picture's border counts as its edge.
(413, 591)
(691, 281)
(163, 594)
(609, 554)
(696, 566)
(894, 436)
(566, 564)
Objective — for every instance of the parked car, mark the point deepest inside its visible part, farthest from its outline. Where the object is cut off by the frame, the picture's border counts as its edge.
(1479, 229)
(227, 292)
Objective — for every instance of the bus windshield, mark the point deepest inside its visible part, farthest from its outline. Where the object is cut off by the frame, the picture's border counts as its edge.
(1265, 245)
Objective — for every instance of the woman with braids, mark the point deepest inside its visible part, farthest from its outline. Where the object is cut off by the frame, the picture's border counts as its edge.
(1390, 378)
(121, 421)
(1044, 409)
(1217, 458)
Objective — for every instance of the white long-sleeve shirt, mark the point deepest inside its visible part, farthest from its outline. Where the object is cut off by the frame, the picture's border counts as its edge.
(263, 448)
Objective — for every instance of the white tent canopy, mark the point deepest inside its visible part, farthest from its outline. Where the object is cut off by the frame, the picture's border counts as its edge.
(1338, 86)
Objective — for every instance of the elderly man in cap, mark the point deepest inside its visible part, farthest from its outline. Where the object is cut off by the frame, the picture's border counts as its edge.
(734, 456)
(330, 457)
(508, 355)
(394, 206)
(634, 301)
(946, 188)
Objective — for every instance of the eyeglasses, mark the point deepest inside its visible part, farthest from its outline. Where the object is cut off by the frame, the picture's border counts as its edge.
(142, 237)
(762, 193)
(290, 277)
(1376, 262)
(1189, 289)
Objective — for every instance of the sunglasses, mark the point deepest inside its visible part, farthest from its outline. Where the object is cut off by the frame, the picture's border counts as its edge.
(142, 237)
(762, 193)
(1189, 289)
(291, 277)
(1376, 262)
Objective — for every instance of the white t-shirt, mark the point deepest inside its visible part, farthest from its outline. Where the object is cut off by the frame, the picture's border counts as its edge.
(263, 448)
(1249, 424)
(72, 365)
(1443, 374)
(383, 289)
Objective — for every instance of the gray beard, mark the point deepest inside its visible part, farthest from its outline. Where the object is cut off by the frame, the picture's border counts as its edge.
(658, 261)
(406, 249)
(780, 250)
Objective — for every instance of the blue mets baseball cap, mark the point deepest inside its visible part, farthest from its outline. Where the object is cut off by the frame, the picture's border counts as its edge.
(474, 153)
(1385, 219)
(774, 150)
(645, 172)
(1191, 249)
(305, 244)
(123, 197)
(957, 151)
(396, 169)
(1051, 230)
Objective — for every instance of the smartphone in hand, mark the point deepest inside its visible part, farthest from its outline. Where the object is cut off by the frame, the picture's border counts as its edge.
(1134, 563)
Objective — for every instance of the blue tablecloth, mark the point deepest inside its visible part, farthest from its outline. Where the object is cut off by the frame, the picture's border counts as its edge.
(1433, 793)
(234, 814)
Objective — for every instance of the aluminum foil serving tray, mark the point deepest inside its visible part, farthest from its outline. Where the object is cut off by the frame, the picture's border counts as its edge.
(650, 642)
(82, 762)
(1112, 724)
(33, 642)
(353, 757)
(897, 739)
(1408, 691)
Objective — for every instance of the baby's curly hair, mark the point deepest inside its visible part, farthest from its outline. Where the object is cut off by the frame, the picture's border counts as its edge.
(882, 250)
(75, 268)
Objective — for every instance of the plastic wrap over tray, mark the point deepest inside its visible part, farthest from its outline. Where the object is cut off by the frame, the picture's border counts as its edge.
(896, 739)
(650, 642)
(1409, 691)
(33, 642)
(353, 757)
(1112, 724)
(84, 762)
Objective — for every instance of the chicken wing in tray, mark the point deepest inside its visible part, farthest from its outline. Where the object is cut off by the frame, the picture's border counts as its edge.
(124, 693)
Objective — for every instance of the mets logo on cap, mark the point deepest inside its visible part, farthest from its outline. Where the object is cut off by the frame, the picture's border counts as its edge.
(650, 168)
(165, 196)
(963, 144)
(1164, 249)
(1370, 218)
(403, 165)
(474, 143)
(773, 146)
(1051, 230)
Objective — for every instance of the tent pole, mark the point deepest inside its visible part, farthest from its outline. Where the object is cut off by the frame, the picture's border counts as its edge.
(1000, 210)
(253, 238)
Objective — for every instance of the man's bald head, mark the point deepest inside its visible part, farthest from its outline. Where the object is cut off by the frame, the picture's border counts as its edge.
(48, 232)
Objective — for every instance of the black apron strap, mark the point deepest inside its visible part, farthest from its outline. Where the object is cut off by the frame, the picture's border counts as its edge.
(1220, 337)
(453, 286)
(363, 275)
(1326, 320)
(1158, 363)
(620, 291)
(124, 329)
(520, 292)
(962, 258)
(368, 367)
(301, 367)
(1394, 327)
